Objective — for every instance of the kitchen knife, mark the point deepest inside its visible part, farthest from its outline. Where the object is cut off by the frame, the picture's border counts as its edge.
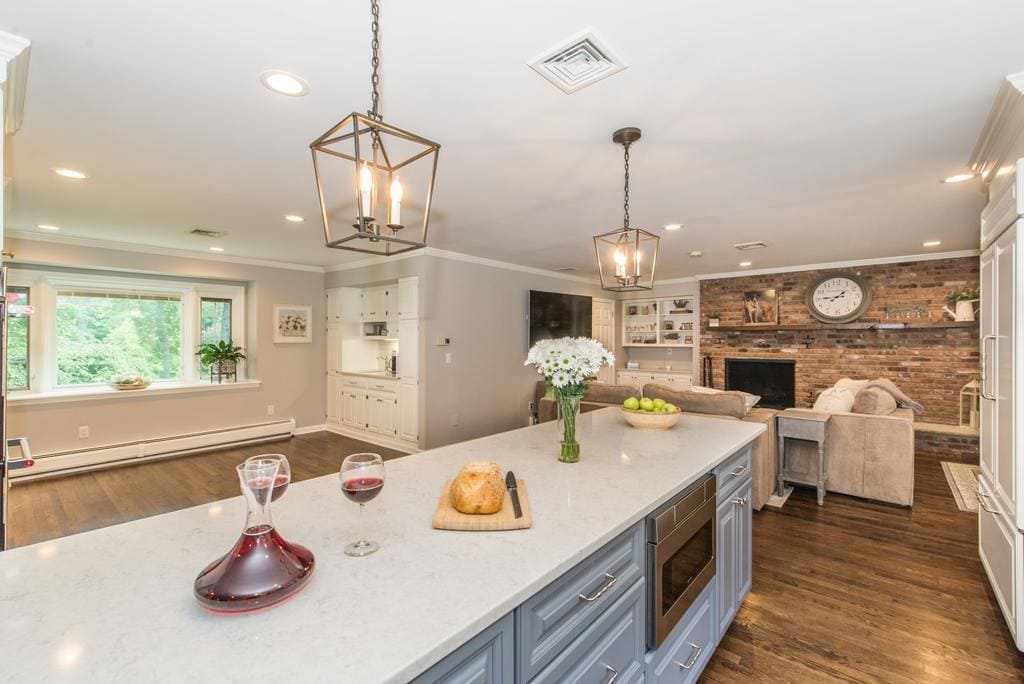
(510, 483)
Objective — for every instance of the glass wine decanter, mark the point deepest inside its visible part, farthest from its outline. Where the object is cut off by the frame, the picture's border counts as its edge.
(262, 569)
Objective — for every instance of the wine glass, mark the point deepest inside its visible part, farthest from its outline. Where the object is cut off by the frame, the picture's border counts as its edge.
(284, 473)
(362, 478)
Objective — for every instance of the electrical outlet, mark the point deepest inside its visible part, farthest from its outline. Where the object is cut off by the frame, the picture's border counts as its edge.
(533, 407)
(270, 409)
(83, 431)
(455, 419)
(448, 358)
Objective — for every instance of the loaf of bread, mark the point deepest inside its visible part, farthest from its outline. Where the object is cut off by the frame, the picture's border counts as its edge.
(478, 489)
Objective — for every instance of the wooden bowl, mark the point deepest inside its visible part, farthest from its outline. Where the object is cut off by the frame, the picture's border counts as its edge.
(133, 386)
(651, 421)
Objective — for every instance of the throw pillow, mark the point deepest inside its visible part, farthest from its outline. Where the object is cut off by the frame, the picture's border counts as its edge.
(834, 400)
(749, 400)
(852, 385)
(874, 402)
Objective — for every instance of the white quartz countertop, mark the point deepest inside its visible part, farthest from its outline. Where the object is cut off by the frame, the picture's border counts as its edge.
(116, 604)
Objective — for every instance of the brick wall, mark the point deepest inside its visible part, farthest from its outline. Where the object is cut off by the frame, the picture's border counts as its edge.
(930, 365)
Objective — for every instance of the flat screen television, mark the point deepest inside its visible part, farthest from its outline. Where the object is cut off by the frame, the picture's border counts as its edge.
(553, 314)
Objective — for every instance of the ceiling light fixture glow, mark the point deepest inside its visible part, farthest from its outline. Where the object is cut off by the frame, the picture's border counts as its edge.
(284, 83)
(696, 253)
(744, 264)
(71, 173)
(931, 243)
(216, 249)
(47, 226)
(958, 178)
(673, 226)
(293, 218)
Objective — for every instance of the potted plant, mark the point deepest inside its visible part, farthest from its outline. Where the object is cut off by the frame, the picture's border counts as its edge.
(713, 319)
(960, 304)
(221, 358)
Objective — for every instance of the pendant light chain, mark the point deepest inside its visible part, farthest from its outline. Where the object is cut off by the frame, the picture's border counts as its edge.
(625, 203)
(375, 61)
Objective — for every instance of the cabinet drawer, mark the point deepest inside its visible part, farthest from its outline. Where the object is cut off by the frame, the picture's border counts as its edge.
(387, 386)
(353, 381)
(733, 473)
(487, 658)
(611, 649)
(553, 618)
(688, 648)
(999, 555)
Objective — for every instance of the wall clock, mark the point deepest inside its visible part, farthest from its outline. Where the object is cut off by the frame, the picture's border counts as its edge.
(838, 297)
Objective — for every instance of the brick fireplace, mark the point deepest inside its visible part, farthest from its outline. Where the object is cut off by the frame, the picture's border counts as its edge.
(929, 364)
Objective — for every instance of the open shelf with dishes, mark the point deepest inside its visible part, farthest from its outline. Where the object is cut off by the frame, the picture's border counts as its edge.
(665, 322)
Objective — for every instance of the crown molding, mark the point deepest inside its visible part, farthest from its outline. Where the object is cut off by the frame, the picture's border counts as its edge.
(14, 53)
(159, 251)
(932, 256)
(1002, 137)
(374, 260)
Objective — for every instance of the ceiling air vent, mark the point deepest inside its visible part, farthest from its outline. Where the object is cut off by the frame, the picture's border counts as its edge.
(567, 269)
(578, 62)
(203, 232)
(745, 246)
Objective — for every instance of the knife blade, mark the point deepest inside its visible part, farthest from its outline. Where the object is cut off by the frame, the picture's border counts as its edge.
(510, 484)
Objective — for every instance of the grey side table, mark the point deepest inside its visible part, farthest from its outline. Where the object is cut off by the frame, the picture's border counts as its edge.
(807, 425)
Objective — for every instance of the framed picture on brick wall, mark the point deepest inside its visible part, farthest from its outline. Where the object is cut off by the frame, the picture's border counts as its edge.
(761, 307)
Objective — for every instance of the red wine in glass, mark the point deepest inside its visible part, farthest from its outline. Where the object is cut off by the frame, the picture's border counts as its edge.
(362, 489)
(278, 490)
(284, 473)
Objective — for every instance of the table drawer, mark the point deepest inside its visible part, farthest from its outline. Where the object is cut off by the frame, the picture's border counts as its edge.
(553, 618)
(733, 473)
(688, 648)
(611, 649)
(353, 381)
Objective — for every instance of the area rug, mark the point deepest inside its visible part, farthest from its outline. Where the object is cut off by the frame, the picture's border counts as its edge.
(963, 481)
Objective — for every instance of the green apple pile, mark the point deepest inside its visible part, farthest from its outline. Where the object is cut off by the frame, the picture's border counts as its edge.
(649, 405)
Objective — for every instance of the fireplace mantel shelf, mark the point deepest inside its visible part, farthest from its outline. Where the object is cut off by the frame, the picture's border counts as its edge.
(878, 325)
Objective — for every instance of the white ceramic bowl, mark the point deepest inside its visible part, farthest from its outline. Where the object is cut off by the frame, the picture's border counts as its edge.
(651, 421)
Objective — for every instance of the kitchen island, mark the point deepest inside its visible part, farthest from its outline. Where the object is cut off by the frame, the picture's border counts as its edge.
(116, 604)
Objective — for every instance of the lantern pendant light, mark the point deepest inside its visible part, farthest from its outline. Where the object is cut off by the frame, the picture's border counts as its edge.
(375, 181)
(626, 257)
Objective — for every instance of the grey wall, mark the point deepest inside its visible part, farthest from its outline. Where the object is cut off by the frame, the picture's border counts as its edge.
(292, 375)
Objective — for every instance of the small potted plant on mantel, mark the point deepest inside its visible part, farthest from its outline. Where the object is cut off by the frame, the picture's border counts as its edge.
(713, 319)
(221, 358)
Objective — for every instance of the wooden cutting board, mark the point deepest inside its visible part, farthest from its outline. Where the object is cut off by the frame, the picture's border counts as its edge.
(447, 518)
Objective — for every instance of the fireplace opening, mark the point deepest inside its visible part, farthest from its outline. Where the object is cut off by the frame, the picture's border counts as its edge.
(773, 379)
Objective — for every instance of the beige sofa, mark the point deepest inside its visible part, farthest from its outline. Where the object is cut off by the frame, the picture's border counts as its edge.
(598, 396)
(870, 456)
(730, 406)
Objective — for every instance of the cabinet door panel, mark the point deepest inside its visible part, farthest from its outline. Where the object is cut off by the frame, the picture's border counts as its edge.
(409, 297)
(989, 426)
(409, 412)
(1003, 365)
(333, 348)
(726, 564)
(408, 345)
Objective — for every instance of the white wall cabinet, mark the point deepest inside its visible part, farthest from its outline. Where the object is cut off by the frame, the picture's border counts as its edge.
(409, 297)
(408, 339)
(334, 305)
(639, 378)
(375, 304)
(408, 411)
(333, 399)
(669, 322)
(334, 334)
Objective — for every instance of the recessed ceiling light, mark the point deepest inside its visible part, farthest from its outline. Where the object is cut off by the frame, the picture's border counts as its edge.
(673, 226)
(294, 218)
(47, 226)
(283, 83)
(931, 243)
(71, 173)
(696, 253)
(958, 178)
(216, 249)
(744, 264)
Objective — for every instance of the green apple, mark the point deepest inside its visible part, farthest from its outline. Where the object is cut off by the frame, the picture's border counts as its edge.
(658, 403)
(632, 404)
(672, 408)
(646, 405)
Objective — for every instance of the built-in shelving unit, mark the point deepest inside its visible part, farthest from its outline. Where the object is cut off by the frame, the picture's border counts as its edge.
(659, 322)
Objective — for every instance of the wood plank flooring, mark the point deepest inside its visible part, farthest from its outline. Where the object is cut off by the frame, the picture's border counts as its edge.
(850, 592)
(45, 509)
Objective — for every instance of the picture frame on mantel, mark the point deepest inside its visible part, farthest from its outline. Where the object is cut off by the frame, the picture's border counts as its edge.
(293, 324)
(761, 307)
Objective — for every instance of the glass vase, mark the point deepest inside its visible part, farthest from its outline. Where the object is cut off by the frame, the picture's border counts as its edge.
(568, 412)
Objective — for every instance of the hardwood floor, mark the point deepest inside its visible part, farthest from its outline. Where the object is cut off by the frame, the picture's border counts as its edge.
(856, 591)
(852, 591)
(45, 509)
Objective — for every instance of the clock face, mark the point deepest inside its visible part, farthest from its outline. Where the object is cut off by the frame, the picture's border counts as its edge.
(838, 299)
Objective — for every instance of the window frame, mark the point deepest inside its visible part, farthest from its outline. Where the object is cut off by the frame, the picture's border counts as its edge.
(44, 286)
(28, 339)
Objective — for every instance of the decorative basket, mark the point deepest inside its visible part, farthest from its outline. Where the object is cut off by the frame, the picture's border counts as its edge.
(132, 386)
(651, 421)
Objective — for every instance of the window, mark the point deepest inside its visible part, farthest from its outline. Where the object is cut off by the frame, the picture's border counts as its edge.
(17, 341)
(214, 323)
(101, 335)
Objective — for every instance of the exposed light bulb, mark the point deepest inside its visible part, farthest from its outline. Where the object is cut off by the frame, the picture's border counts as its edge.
(396, 202)
(620, 264)
(958, 178)
(366, 188)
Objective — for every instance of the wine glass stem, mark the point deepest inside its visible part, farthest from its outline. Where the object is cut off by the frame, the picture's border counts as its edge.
(362, 525)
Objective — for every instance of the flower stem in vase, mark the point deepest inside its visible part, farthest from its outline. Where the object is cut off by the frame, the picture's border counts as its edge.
(569, 409)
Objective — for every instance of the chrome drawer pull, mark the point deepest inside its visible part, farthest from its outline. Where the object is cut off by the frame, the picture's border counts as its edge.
(982, 498)
(614, 674)
(739, 471)
(693, 657)
(739, 501)
(612, 579)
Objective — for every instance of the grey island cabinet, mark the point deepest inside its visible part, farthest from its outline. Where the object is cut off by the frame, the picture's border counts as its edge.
(568, 600)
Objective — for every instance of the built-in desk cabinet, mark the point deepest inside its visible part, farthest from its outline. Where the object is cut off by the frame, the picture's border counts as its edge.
(638, 378)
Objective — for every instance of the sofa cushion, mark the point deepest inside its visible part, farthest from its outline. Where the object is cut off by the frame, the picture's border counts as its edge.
(874, 402)
(721, 404)
(609, 394)
(749, 399)
(834, 400)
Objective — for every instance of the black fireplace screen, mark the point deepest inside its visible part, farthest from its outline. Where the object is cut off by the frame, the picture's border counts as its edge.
(773, 379)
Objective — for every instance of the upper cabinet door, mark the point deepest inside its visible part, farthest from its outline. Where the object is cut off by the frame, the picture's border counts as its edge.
(1002, 367)
(375, 304)
(409, 297)
(1005, 206)
(334, 304)
(408, 349)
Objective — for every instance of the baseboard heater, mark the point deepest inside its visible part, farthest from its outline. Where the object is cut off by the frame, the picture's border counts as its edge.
(65, 462)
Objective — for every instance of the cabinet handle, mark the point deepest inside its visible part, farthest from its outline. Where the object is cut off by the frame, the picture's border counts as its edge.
(982, 498)
(692, 660)
(612, 579)
(739, 471)
(614, 674)
(984, 368)
(739, 501)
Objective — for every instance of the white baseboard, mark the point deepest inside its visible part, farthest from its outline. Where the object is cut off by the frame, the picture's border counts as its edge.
(134, 452)
(379, 440)
(309, 429)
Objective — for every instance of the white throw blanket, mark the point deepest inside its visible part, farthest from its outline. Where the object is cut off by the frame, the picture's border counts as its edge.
(901, 399)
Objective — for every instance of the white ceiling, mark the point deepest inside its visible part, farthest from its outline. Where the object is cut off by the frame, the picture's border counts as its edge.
(820, 128)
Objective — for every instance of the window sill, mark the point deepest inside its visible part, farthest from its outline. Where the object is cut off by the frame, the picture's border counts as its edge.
(156, 389)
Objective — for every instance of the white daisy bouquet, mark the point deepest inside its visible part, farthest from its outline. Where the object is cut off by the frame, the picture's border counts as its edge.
(569, 364)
